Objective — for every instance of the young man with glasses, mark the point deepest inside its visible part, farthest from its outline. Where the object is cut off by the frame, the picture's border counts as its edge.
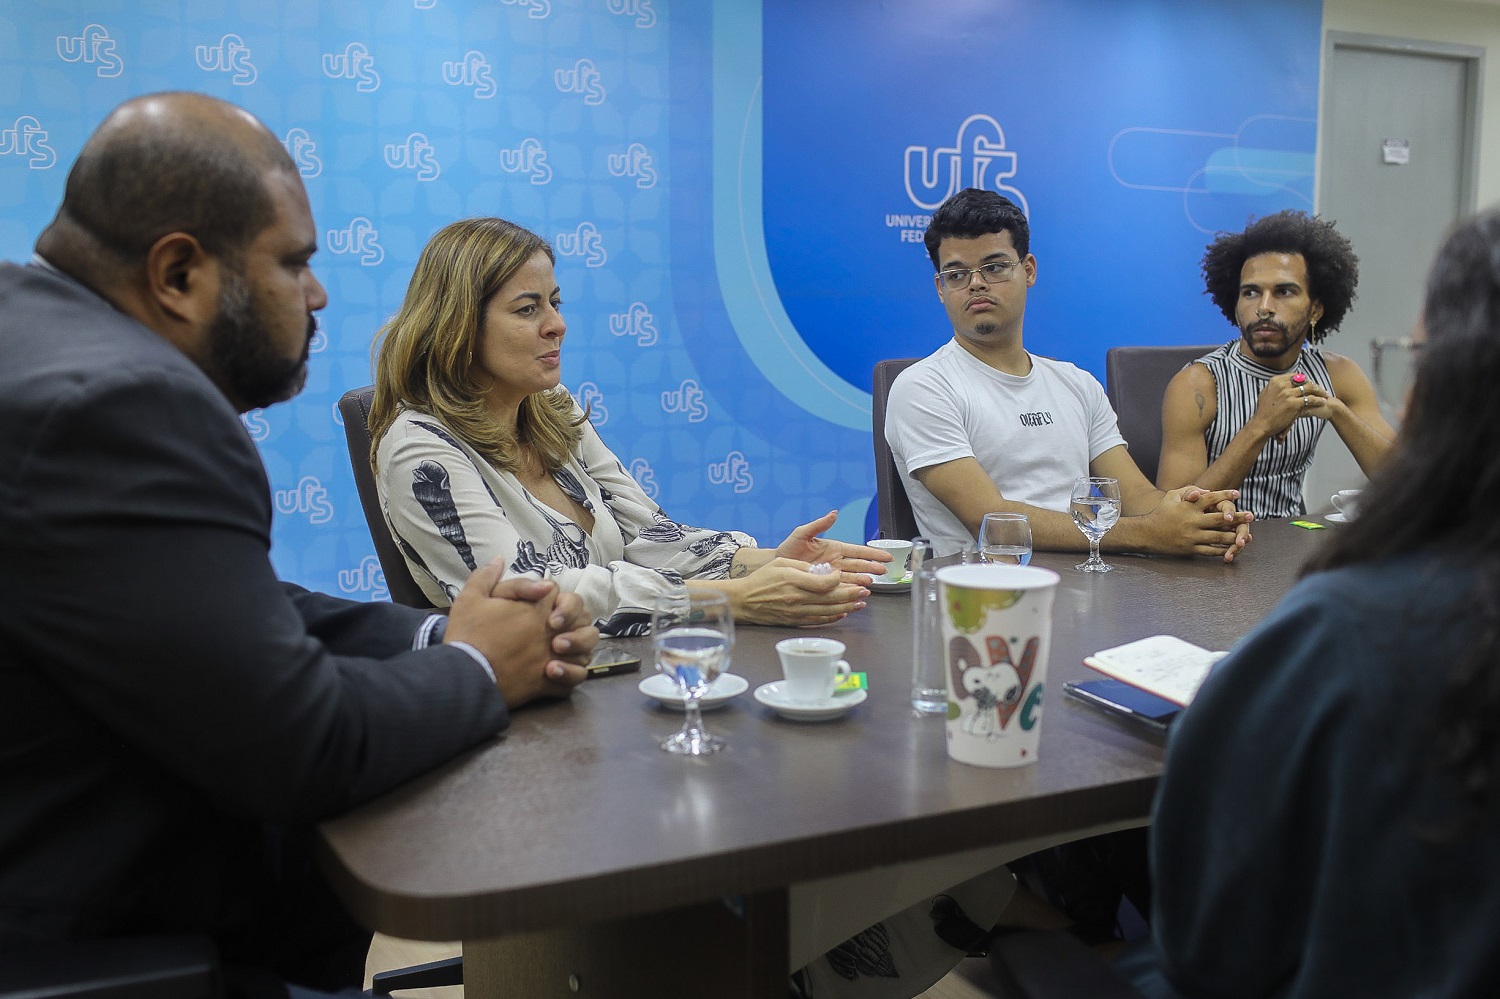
(982, 425)
(1248, 416)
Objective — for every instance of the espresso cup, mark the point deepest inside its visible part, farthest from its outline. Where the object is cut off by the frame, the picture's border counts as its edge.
(810, 668)
(900, 553)
(1346, 502)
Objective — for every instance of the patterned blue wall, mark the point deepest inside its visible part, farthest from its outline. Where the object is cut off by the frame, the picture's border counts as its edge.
(735, 190)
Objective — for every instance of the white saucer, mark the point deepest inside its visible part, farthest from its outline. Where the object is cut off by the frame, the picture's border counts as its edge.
(719, 693)
(879, 584)
(1336, 518)
(770, 694)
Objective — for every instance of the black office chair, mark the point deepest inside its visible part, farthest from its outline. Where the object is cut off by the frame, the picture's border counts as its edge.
(892, 503)
(1136, 379)
(121, 968)
(354, 406)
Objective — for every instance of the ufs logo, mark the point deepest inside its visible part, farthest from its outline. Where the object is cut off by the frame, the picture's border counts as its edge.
(584, 79)
(256, 425)
(635, 162)
(529, 158)
(307, 496)
(473, 70)
(318, 342)
(303, 151)
(535, 9)
(641, 10)
(585, 242)
(733, 470)
(424, 4)
(338, 416)
(367, 577)
(592, 400)
(416, 153)
(229, 55)
(93, 46)
(686, 398)
(977, 158)
(354, 63)
(359, 238)
(28, 139)
(636, 322)
(644, 476)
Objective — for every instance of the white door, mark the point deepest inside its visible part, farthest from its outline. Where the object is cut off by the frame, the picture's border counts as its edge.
(1386, 101)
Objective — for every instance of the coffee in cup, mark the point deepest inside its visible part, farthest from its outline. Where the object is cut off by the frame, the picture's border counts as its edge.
(900, 553)
(1346, 502)
(811, 668)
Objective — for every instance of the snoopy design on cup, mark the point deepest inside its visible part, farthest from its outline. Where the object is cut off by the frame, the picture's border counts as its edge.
(995, 690)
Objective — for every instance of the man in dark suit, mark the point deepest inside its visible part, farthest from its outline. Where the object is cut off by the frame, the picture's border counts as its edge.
(173, 718)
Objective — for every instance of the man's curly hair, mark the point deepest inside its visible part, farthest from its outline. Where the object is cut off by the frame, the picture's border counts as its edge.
(1332, 267)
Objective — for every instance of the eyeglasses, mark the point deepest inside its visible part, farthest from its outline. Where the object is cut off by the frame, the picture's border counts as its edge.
(994, 272)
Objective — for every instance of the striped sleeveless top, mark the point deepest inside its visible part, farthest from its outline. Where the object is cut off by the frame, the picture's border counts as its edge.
(1273, 488)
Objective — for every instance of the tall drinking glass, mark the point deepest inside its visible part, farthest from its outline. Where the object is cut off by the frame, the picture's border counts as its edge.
(1005, 539)
(929, 686)
(1394, 367)
(692, 635)
(1095, 509)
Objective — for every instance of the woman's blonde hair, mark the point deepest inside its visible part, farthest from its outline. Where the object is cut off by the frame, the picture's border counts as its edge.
(424, 356)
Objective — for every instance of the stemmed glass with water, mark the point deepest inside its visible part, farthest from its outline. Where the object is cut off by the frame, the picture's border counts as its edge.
(1095, 508)
(692, 635)
(1005, 539)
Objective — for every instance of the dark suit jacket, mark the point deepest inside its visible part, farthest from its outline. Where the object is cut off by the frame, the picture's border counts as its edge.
(163, 698)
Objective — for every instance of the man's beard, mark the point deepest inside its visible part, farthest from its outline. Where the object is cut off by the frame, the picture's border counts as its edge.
(985, 328)
(251, 373)
(1273, 348)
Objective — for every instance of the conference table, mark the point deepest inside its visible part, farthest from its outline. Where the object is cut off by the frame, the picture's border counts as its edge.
(572, 856)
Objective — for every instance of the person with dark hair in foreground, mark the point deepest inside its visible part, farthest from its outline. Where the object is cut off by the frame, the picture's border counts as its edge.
(984, 425)
(1329, 816)
(172, 718)
(1248, 416)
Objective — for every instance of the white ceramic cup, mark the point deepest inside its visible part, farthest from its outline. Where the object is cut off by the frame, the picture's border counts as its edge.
(900, 553)
(811, 668)
(997, 628)
(1346, 502)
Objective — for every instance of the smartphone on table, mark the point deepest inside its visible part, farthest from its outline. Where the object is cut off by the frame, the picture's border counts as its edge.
(608, 662)
(1130, 703)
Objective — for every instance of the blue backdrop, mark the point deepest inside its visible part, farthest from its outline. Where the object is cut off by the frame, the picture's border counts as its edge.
(735, 189)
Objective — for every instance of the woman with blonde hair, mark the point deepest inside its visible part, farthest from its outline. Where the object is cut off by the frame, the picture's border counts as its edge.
(481, 454)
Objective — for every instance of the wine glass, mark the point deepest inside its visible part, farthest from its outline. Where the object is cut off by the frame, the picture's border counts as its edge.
(1005, 539)
(691, 634)
(1095, 508)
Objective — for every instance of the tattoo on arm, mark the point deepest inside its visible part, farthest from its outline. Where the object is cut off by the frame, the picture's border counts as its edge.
(738, 570)
(1198, 398)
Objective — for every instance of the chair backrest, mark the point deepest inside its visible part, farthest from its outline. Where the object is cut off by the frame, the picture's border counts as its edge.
(1136, 379)
(354, 406)
(894, 506)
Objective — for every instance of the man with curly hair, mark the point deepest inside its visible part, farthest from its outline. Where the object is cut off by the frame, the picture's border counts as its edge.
(1248, 415)
(983, 424)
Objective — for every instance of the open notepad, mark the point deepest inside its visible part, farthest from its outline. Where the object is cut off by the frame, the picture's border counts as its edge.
(1162, 665)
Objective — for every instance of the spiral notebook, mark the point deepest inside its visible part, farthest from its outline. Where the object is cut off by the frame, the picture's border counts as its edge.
(1163, 665)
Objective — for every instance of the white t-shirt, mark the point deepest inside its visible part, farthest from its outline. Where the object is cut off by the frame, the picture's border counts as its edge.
(1033, 435)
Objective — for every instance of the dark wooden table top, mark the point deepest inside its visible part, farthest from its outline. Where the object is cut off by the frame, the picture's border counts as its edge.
(575, 815)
